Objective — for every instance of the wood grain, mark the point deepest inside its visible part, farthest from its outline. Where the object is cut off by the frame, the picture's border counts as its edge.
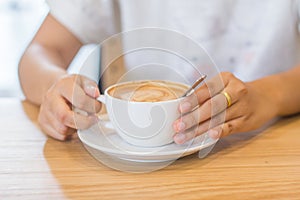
(258, 165)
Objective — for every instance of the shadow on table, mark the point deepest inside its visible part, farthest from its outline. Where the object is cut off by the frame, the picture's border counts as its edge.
(235, 141)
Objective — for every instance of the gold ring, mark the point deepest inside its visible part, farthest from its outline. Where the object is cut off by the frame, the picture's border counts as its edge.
(228, 98)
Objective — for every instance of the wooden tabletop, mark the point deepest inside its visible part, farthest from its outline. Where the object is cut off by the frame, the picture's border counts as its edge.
(261, 165)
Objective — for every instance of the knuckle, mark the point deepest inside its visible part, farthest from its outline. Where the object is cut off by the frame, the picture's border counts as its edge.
(227, 75)
(62, 116)
(246, 110)
(61, 137)
(218, 119)
(81, 103)
(227, 129)
(230, 128)
(61, 129)
(242, 88)
(213, 87)
(217, 106)
(246, 117)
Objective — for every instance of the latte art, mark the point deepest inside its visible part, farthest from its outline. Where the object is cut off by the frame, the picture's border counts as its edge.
(148, 91)
(153, 93)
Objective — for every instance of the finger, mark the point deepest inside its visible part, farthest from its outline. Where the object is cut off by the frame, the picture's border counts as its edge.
(232, 113)
(181, 138)
(72, 119)
(84, 122)
(73, 92)
(90, 87)
(203, 93)
(230, 127)
(214, 86)
(83, 101)
(208, 110)
(76, 120)
(197, 130)
(59, 127)
(210, 125)
(46, 125)
(235, 88)
(48, 118)
(50, 130)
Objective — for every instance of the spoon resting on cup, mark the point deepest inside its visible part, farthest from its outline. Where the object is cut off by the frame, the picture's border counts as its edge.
(197, 82)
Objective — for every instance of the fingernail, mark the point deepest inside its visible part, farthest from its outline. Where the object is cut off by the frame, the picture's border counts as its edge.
(180, 138)
(180, 126)
(92, 91)
(186, 106)
(213, 134)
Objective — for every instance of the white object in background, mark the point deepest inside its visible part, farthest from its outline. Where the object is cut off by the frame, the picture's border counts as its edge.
(87, 62)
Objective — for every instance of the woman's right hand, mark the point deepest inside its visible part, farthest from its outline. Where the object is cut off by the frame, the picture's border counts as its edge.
(57, 117)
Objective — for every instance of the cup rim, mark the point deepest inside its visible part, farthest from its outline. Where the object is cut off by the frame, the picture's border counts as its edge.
(144, 80)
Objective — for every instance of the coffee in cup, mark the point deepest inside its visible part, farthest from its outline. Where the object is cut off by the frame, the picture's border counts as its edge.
(148, 91)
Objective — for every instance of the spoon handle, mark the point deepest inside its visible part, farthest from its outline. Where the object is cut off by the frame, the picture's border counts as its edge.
(198, 81)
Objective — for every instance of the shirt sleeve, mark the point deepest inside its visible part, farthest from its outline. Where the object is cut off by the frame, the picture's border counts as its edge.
(89, 20)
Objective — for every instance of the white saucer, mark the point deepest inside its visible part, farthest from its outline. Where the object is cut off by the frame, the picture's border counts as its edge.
(102, 137)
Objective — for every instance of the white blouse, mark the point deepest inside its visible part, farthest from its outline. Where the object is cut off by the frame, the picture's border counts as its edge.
(251, 38)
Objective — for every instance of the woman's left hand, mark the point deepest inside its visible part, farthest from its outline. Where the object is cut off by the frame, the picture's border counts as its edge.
(226, 106)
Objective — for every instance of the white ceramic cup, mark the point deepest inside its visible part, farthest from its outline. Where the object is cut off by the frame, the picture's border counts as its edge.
(147, 124)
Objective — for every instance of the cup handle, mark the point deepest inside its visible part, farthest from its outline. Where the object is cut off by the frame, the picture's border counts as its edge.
(101, 98)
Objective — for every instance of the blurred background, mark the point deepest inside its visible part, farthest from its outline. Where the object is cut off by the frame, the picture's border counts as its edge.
(19, 20)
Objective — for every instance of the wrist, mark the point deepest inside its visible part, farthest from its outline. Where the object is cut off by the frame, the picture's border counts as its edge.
(268, 91)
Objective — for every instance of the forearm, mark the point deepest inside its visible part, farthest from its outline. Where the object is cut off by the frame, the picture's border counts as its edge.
(46, 59)
(282, 90)
(288, 87)
(39, 69)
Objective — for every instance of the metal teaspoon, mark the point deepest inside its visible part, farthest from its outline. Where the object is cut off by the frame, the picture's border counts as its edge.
(197, 82)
